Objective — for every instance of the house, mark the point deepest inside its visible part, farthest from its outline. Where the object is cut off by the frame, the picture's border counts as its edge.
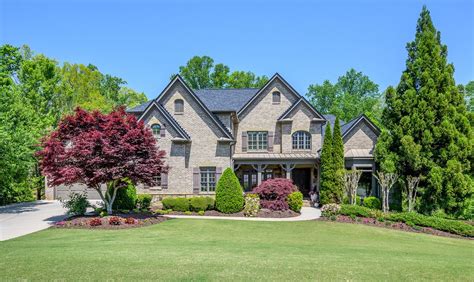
(261, 133)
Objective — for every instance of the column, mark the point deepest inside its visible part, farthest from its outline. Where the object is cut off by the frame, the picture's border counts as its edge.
(259, 168)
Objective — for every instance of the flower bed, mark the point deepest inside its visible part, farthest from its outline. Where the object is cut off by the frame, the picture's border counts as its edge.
(392, 225)
(117, 221)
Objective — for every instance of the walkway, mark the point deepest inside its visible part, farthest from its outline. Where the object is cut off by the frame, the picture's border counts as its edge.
(24, 218)
(307, 213)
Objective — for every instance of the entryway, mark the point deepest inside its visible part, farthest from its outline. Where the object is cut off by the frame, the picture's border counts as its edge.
(302, 178)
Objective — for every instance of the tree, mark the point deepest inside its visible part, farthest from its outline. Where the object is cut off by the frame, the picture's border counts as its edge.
(338, 160)
(468, 92)
(412, 184)
(200, 72)
(386, 181)
(98, 149)
(229, 194)
(351, 180)
(428, 129)
(353, 94)
(327, 194)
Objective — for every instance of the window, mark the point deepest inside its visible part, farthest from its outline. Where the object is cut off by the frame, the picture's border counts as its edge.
(301, 140)
(208, 179)
(158, 180)
(276, 97)
(257, 140)
(178, 106)
(156, 128)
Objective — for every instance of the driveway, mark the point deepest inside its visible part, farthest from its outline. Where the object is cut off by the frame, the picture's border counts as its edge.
(24, 218)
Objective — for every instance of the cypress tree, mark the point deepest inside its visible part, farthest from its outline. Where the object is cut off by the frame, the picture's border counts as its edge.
(338, 161)
(327, 169)
(428, 126)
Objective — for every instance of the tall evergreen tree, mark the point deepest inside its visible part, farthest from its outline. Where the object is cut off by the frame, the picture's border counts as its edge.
(327, 169)
(338, 161)
(428, 128)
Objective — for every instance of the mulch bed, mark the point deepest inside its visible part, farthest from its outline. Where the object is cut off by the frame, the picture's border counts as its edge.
(393, 225)
(264, 213)
(84, 222)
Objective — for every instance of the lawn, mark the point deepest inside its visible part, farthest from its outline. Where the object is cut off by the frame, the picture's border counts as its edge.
(237, 250)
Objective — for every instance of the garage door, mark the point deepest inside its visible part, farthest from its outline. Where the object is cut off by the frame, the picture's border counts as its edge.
(63, 192)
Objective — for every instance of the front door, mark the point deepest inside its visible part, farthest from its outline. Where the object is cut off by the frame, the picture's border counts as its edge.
(302, 178)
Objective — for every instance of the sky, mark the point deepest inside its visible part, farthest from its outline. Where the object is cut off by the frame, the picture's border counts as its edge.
(307, 42)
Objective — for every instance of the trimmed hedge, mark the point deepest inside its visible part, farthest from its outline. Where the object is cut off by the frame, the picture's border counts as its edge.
(295, 201)
(188, 204)
(448, 225)
(372, 203)
(229, 194)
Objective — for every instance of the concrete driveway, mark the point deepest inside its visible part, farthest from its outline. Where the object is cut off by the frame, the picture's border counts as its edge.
(24, 218)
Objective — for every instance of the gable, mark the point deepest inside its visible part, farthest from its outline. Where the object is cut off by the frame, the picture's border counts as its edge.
(304, 107)
(194, 108)
(288, 97)
(155, 113)
(361, 135)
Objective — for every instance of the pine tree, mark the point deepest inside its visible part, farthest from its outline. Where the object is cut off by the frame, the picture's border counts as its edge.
(338, 161)
(428, 128)
(327, 169)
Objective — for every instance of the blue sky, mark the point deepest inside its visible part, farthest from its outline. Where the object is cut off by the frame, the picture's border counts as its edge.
(144, 42)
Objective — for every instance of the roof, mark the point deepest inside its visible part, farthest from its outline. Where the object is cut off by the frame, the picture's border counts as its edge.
(287, 156)
(346, 128)
(139, 108)
(359, 153)
(225, 100)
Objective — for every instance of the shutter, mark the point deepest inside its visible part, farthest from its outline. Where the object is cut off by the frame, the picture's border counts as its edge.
(218, 173)
(163, 130)
(164, 181)
(270, 141)
(244, 141)
(196, 180)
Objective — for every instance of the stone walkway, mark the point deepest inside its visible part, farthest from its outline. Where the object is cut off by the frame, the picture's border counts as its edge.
(307, 213)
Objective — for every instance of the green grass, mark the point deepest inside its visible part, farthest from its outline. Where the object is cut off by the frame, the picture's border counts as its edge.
(237, 250)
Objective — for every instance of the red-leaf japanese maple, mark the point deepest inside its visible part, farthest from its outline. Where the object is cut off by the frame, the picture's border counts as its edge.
(94, 149)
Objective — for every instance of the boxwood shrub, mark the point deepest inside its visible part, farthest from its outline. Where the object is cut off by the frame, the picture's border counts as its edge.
(198, 204)
(144, 201)
(126, 198)
(354, 211)
(188, 204)
(176, 204)
(448, 225)
(295, 201)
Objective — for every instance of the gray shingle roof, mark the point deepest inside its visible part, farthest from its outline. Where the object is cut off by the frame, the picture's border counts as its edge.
(139, 108)
(225, 99)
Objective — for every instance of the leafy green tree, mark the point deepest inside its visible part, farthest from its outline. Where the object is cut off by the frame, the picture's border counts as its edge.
(18, 138)
(468, 92)
(428, 128)
(326, 192)
(338, 161)
(229, 194)
(200, 72)
(353, 94)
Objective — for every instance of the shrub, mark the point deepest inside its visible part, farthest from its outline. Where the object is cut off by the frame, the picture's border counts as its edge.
(229, 195)
(252, 205)
(330, 209)
(353, 211)
(345, 200)
(114, 220)
(144, 201)
(95, 221)
(210, 202)
(372, 203)
(200, 212)
(103, 213)
(448, 225)
(176, 204)
(130, 220)
(295, 201)
(198, 204)
(125, 198)
(188, 213)
(77, 204)
(274, 192)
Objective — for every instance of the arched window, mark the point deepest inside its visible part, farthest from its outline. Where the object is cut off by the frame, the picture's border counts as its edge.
(276, 97)
(156, 128)
(301, 140)
(178, 106)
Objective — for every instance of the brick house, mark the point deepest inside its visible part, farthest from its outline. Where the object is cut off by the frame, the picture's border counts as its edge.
(261, 133)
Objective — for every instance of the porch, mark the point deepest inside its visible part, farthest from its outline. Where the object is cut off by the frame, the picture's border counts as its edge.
(302, 168)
